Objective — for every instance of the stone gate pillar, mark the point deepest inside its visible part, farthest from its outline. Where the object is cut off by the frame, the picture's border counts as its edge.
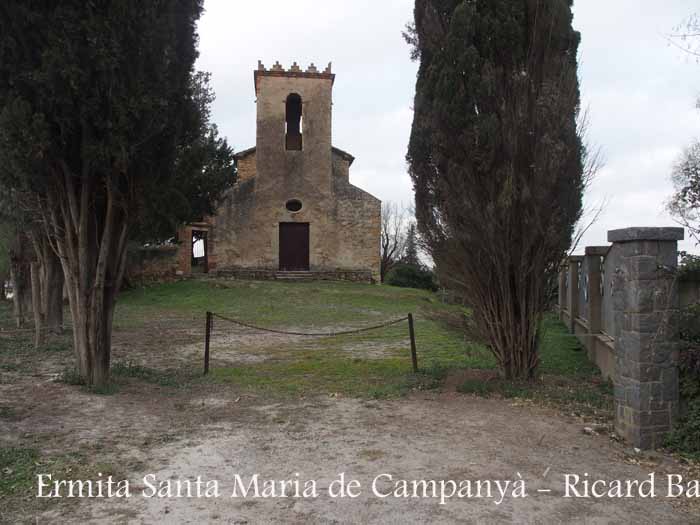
(562, 289)
(646, 375)
(593, 288)
(573, 291)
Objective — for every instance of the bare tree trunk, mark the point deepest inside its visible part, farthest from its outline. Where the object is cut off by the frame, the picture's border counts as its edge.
(21, 284)
(25, 294)
(16, 302)
(393, 238)
(39, 333)
(92, 326)
(51, 281)
(3, 280)
(53, 298)
(92, 252)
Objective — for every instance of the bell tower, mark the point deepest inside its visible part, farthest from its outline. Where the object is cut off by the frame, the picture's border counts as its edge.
(294, 136)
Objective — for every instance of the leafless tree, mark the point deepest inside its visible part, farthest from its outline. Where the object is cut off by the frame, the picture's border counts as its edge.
(20, 263)
(393, 236)
(592, 161)
(686, 36)
(35, 267)
(684, 205)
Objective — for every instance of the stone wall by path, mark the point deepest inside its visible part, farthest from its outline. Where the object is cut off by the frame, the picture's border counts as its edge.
(152, 263)
(621, 301)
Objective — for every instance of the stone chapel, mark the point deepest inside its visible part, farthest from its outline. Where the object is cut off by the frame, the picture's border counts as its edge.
(293, 211)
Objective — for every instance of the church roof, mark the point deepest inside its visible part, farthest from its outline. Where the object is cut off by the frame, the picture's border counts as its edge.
(342, 154)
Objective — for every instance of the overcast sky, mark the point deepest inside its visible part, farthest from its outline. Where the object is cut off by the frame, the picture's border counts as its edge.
(639, 90)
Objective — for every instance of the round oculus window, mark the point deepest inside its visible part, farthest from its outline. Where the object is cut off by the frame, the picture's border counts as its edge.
(293, 205)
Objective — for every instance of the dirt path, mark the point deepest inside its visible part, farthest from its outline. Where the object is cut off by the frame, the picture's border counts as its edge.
(218, 431)
(423, 437)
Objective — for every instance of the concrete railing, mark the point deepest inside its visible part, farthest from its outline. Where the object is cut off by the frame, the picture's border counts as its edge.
(620, 301)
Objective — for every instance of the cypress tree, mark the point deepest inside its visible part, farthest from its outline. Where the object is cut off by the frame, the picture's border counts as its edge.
(96, 107)
(410, 256)
(496, 158)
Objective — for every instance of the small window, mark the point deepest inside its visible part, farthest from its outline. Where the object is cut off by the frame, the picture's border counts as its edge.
(293, 205)
(293, 119)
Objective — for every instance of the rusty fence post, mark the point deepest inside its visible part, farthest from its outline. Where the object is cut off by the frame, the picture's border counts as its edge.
(207, 339)
(412, 334)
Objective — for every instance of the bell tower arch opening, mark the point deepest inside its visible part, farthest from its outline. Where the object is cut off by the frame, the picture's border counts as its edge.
(294, 122)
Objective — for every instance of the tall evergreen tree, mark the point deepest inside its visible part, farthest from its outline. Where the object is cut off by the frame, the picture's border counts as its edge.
(94, 99)
(410, 256)
(496, 158)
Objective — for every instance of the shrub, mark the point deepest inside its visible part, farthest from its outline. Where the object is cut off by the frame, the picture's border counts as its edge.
(689, 268)
(685, 438)
(410, 276)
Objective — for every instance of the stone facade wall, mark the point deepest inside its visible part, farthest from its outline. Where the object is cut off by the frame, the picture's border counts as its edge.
(247, 168)
(344, 226)
(344, 221)
(261, 274)
(152, 264)
(629, 330)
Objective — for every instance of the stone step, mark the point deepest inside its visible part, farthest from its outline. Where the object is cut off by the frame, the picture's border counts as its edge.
(295, 276)
(263, 274)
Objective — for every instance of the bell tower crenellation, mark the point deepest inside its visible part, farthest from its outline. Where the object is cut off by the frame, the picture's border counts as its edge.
(294, 134)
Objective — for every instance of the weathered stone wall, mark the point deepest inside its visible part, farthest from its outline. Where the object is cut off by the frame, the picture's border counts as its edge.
(152, 264)
(357, 216)
(247, 168)
(646, 379)
(630, 304)
(260, 274)
(344, 225)
(344, 221)
(611, 320)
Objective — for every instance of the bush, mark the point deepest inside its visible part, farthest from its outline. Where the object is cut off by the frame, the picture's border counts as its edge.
(410, 276)
(685, 438)
(689, 267)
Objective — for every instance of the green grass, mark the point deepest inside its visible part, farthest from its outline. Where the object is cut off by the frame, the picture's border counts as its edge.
(321, 365)
(17, 352)
(569, 379)
(7, 412)
(274, 303)
(377, 378)
(120, 372)
(371, 364)
(334, 365)
(166, 378)
(338, 364)
(561, 353)
(17, 470)
(20, 466)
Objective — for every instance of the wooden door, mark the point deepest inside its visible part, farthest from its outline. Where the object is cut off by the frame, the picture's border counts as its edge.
(294, 246)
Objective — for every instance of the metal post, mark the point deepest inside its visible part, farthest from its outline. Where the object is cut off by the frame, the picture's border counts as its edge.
(207, 338)
(411, 333)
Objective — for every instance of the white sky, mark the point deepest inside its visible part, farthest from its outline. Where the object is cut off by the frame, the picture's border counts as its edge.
(639, 90)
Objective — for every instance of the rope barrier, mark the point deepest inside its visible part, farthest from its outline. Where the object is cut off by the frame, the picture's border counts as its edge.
(210, 323)
(311, 334)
